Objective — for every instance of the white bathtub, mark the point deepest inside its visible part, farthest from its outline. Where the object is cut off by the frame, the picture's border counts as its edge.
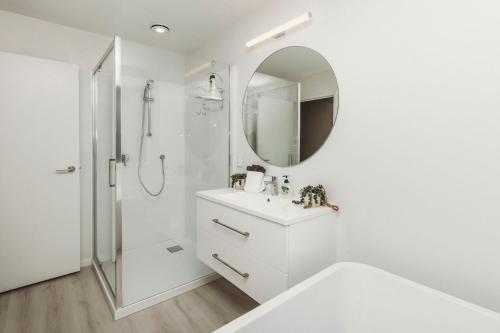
(356, 298)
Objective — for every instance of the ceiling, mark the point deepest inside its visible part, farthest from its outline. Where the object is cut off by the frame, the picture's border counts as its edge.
(192, 22)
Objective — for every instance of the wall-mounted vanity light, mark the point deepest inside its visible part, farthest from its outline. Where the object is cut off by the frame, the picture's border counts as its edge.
(280, 30)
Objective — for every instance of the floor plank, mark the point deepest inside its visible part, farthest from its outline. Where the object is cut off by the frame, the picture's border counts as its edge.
(75, 303)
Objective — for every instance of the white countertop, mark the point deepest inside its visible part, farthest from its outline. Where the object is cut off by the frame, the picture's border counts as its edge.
(276, 209)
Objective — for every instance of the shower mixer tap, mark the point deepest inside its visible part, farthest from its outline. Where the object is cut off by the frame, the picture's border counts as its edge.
(125, 158)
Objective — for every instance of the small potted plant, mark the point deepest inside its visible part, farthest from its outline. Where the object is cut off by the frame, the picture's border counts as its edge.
(256, 168)
(314, 196)
(238, 181)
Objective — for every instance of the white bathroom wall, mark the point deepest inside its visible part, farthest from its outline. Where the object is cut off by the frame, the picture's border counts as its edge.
(29, 36)
(146, 219)
(206, 134)
(194, 141)
(413, 158)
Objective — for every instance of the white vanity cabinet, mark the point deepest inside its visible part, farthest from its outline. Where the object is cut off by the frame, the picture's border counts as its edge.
(263, 247)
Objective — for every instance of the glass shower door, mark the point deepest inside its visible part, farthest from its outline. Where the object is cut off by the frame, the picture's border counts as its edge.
(106, 146)
(156, 142)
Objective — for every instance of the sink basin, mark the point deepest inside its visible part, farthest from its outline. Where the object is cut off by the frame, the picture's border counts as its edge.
(256, 199)
(272, 208)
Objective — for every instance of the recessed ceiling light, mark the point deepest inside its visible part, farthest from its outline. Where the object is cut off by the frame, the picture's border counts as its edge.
(160, 28)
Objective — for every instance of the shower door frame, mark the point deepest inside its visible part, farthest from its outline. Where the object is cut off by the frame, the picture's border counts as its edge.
(115, 298)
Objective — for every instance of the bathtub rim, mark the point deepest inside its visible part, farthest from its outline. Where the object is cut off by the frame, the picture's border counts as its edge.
(278, 300)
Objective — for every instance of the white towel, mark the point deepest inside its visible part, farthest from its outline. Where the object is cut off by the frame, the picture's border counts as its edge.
(254, 182)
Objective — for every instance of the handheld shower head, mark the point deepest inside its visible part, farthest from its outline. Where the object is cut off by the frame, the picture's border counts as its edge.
(147, 100)
(147, 91)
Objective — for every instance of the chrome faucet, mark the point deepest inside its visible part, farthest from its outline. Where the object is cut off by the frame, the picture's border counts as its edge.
(271, 185)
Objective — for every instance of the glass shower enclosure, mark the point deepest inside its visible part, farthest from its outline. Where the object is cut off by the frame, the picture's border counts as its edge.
(160, 133)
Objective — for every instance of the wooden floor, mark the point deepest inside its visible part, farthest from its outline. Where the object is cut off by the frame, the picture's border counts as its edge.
(76, 304)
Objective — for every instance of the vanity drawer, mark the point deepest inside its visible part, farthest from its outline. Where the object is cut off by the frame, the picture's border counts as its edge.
(262, 239)
(258, 280)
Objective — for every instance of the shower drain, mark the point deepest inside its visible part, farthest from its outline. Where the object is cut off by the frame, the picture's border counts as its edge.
(175, 248)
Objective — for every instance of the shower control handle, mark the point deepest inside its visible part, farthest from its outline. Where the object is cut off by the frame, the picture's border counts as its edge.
(69, 169)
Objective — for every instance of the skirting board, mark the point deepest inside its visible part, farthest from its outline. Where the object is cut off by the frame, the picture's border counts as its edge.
(153, 300)
(85, 262)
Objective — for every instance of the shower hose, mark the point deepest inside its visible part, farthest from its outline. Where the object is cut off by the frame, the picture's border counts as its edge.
(162, 158)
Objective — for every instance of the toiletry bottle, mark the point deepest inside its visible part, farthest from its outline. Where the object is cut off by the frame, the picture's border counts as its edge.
(285, 187)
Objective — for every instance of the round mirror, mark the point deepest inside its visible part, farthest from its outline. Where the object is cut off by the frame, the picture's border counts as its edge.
(290, 106)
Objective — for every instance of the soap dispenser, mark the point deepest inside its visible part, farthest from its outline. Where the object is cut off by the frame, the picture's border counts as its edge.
(285, 187)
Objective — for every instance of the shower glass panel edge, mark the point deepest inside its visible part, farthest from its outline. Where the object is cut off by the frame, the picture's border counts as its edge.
(109, 276)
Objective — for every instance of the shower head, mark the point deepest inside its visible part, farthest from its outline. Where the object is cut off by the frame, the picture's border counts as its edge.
(147, 91)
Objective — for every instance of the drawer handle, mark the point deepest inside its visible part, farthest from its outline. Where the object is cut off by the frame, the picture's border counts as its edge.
(216, 257)
(243, 233)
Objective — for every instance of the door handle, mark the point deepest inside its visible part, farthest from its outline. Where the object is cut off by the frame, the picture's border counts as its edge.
(69, 169)
(112, 171)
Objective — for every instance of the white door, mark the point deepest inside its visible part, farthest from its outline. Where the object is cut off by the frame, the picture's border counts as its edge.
(39, 206)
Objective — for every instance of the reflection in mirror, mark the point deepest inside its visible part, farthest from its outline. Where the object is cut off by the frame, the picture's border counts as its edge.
(290, 106)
